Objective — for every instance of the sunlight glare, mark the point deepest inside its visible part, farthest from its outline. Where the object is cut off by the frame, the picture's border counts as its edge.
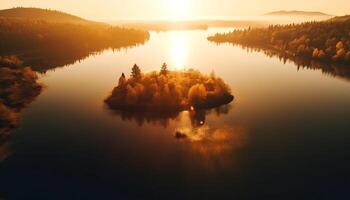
(179, 50)
(179, 9)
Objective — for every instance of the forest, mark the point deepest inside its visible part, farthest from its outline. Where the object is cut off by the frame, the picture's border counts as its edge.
(326, 41)
(44, 39)
(168, 91)
(19, 33)
(18, 88)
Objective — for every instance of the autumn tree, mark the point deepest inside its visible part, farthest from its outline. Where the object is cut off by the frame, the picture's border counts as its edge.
(197, 94)
(178, 90)
(315, 53)
(326, 40)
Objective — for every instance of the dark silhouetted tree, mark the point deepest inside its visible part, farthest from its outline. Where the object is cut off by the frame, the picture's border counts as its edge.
(122, 80)
(164, 70)
(136, 72)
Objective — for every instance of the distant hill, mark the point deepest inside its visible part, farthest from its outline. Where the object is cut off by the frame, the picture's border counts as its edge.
(41, 14)
(296, 13)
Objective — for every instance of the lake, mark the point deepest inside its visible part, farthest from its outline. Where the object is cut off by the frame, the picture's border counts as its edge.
(285, 136)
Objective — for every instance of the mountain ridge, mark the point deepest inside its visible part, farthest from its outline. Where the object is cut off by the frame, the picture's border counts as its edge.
(42, 14)
(295, 13)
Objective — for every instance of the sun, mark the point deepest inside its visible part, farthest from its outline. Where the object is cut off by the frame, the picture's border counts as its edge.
(179, 9)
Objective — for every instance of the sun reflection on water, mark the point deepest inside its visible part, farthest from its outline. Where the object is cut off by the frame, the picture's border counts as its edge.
(179, 49)
(215, 145)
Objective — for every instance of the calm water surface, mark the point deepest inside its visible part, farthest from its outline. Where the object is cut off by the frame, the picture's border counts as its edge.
(286, 135)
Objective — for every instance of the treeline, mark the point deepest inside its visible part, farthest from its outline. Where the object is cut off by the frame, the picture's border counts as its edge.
(325, 41)
(168, 91)
(20, 33)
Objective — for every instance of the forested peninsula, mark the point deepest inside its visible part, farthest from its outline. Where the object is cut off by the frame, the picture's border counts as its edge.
(325, 41)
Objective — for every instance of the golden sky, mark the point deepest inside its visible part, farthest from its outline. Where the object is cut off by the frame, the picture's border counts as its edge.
(179, 9)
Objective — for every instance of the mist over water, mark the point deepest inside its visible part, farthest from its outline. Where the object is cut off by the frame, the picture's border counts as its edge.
(285, 131)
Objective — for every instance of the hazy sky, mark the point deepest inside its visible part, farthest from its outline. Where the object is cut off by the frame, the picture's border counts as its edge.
(165, 9)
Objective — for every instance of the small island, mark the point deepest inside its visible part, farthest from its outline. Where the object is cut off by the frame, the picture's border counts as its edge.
(168, 91)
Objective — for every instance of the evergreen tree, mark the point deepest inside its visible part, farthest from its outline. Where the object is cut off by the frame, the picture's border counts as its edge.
(136, 72)
(164, 70)
(122, 80)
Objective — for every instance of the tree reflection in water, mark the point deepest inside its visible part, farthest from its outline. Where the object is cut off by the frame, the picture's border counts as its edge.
(197, 117)
(155, 118)
(44, 59)
(334, 69)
